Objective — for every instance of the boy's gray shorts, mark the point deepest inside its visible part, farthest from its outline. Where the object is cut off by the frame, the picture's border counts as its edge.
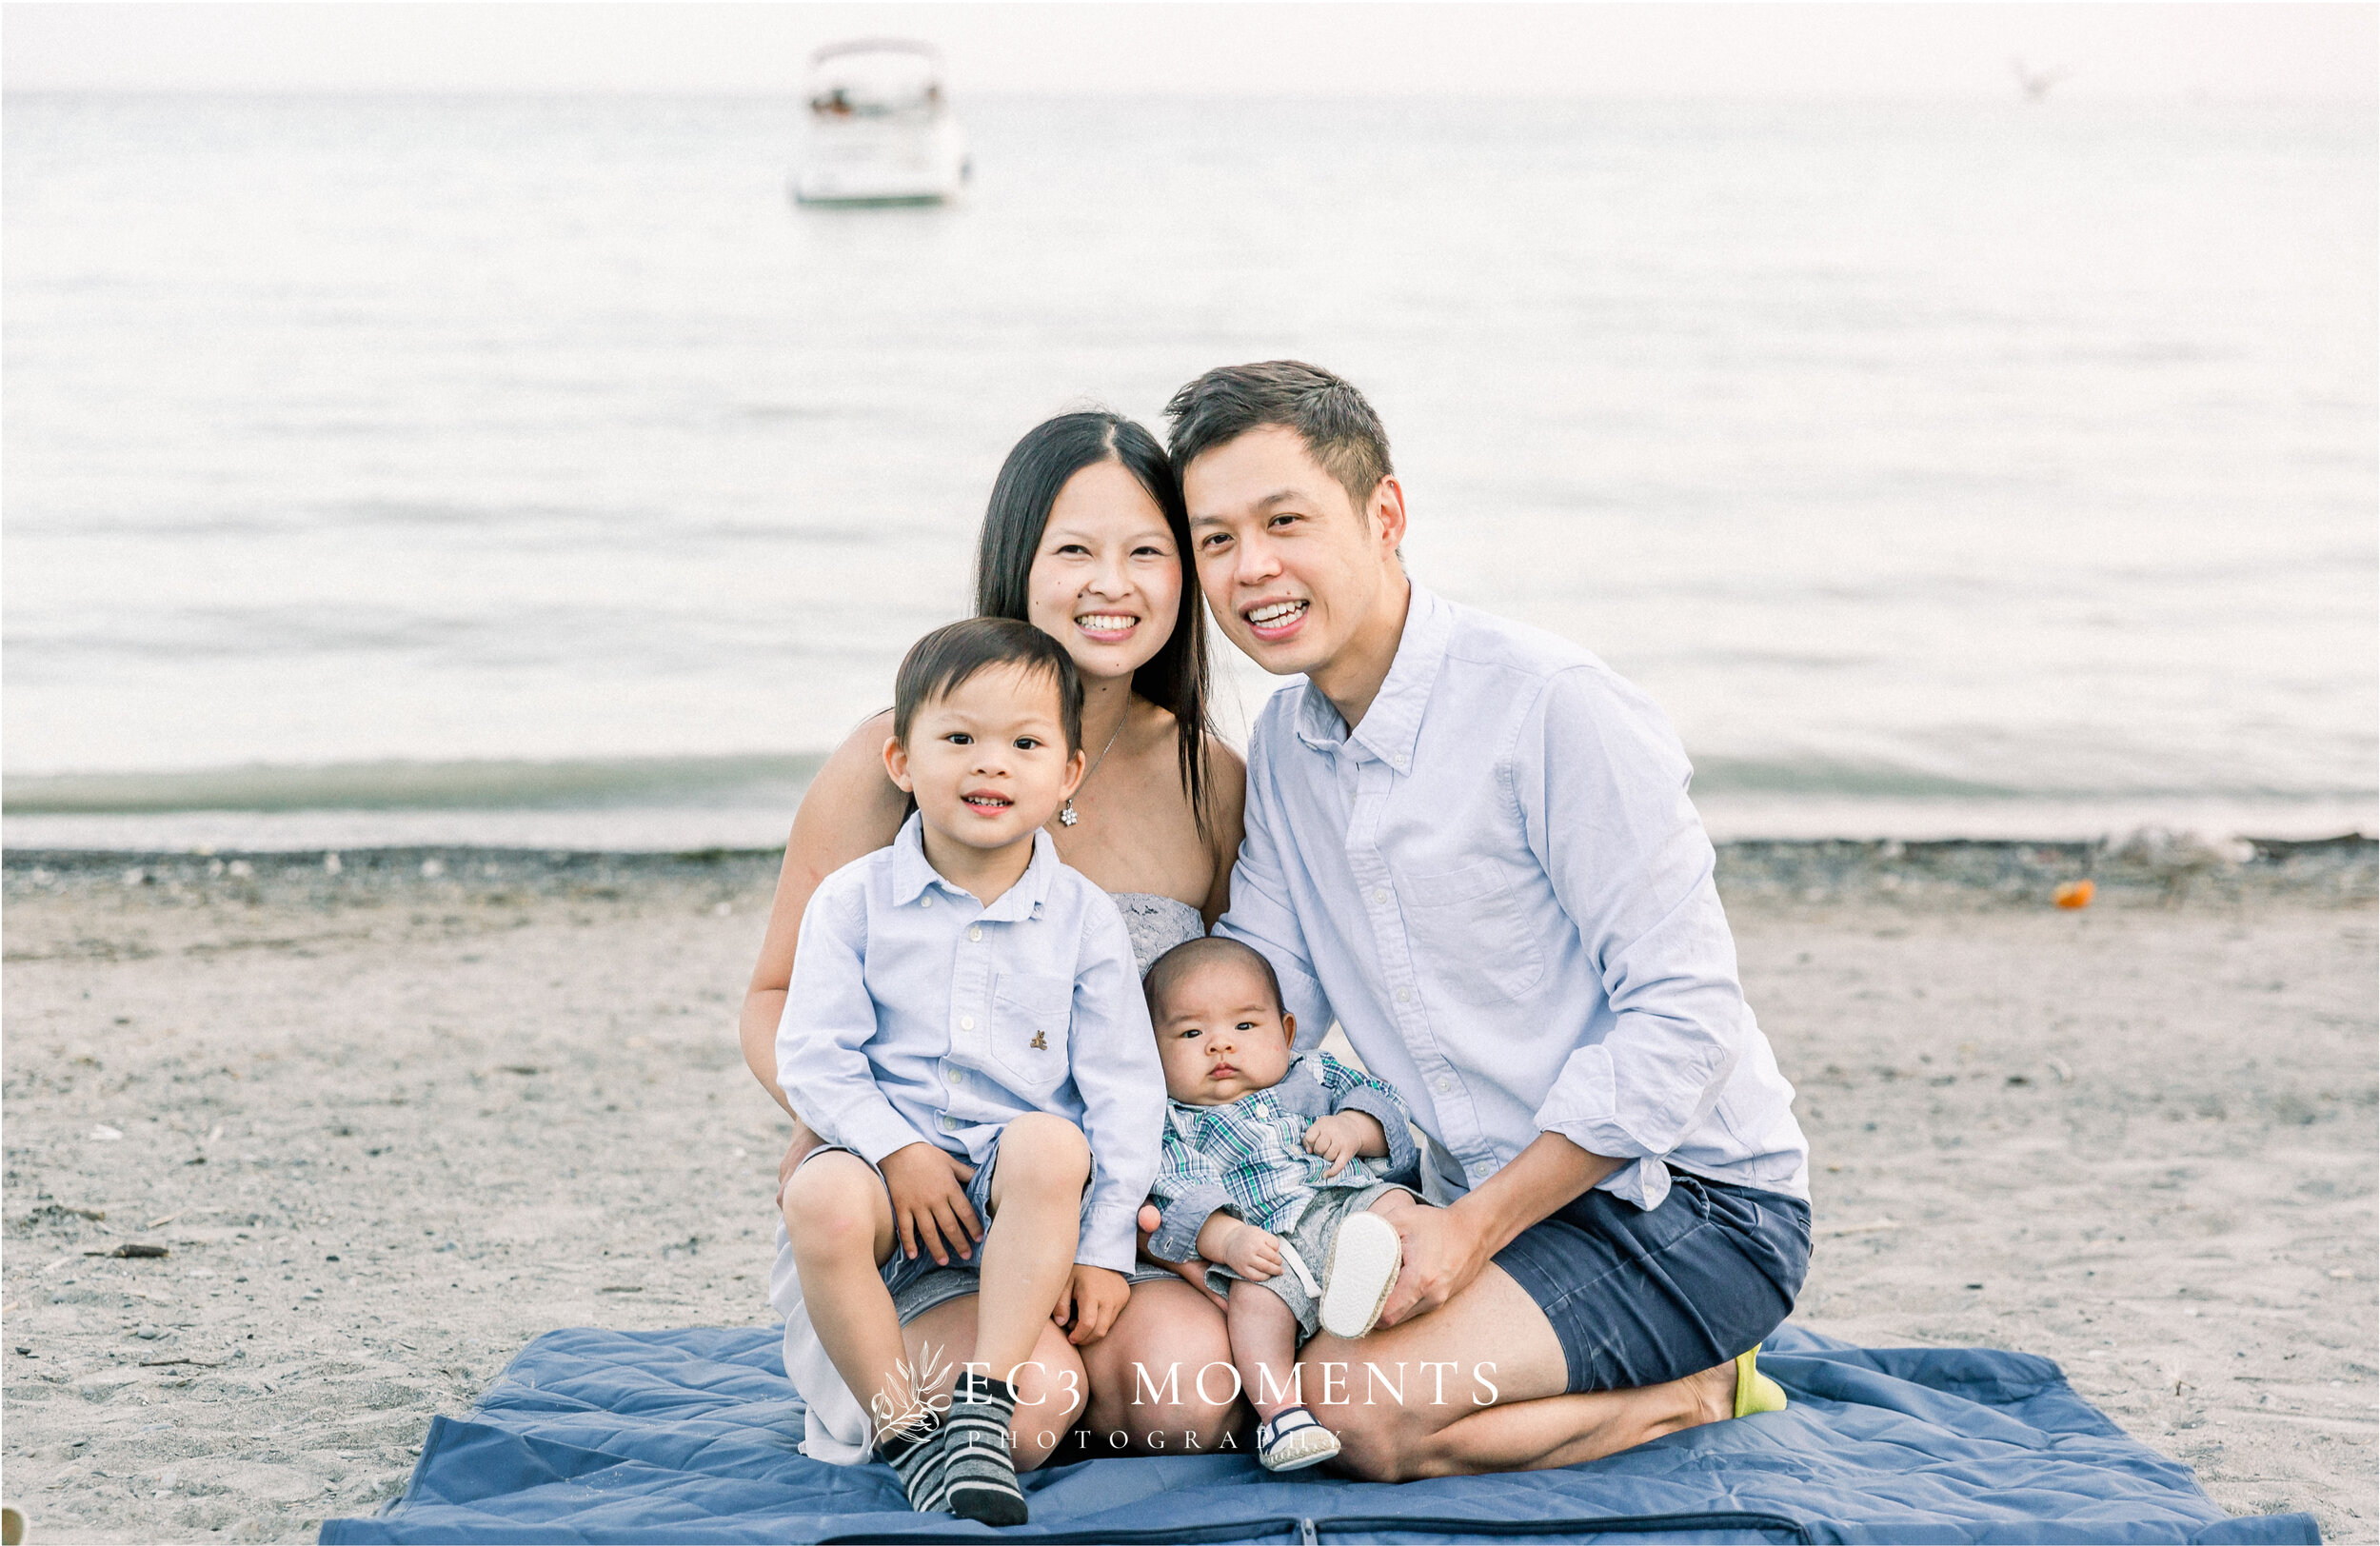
(919, 1283)
(1315, 1233)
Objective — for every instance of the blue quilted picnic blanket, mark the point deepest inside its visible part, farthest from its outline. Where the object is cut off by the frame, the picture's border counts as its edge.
(687, 1435)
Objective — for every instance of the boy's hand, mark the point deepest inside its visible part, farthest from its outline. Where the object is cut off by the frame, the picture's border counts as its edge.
(1092, 1299)
(1248, 1251)
(929, 1201)
(1343, 1135)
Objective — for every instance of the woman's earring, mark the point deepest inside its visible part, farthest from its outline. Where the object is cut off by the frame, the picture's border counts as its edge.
(1065, 813)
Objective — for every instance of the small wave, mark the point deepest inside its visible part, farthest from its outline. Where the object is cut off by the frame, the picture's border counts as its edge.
(410, 785)
(1857, 779)
(1832, 776)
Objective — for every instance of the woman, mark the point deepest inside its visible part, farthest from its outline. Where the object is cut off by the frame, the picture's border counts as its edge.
(1084, 538)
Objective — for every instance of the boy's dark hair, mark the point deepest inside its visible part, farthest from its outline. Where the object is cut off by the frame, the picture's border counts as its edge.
(1338, 425)
(1192, 954)
(949, 655)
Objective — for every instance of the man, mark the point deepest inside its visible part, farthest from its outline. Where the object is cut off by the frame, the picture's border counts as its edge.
(1469, 843)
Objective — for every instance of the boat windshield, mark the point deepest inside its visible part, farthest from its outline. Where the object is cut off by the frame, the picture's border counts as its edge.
(875, 80)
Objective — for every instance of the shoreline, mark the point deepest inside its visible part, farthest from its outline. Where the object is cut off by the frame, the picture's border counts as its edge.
(2147, 870)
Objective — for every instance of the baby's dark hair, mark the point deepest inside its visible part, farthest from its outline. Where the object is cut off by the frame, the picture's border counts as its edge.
(1191, 954)
(945, 659)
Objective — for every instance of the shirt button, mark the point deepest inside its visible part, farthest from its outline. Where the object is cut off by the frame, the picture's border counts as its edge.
(925, 902)
(975, 934)
(966, 1023)
(1445, 1084)
(958, 1077)
(952, 1125)
(1379, 894)
(1404, 995)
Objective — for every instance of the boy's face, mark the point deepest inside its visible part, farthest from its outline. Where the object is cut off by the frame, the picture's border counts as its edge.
(1220, 1035)
(987, 761)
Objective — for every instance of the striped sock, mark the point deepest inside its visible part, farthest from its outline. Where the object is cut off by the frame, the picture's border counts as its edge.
(912, 1448)
(979, 1476)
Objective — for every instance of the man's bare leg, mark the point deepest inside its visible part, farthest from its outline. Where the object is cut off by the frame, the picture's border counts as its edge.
(1263, 1348)
(1483, 1380)
(841, 1225)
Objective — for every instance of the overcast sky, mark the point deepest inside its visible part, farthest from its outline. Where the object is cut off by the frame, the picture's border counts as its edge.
(1657, 49)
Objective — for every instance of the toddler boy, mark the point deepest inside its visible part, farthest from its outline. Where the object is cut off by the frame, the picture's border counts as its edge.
(1264, 1176)
(963, 999)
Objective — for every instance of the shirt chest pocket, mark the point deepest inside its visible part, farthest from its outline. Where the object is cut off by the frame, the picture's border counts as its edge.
(1469, 936)
(1031, 1014)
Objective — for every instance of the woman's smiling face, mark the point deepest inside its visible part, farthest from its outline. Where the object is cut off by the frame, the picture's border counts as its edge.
(1107, 579)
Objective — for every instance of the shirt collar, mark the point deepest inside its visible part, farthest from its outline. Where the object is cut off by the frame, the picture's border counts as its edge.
(1393, 723)
(912, 876)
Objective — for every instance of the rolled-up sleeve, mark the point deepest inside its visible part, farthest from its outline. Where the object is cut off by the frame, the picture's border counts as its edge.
(1261, 916)
(1188, 1192)
(1601, 781)
(1123, 1086)
(828, 1018)
(1352, 1091)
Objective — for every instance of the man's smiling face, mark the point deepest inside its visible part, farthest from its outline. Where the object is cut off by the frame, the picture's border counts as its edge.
(1291, 564)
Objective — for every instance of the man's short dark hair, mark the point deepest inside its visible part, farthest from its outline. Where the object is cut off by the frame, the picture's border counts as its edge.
(1191, 954)
(1338, 427)
(945, 659)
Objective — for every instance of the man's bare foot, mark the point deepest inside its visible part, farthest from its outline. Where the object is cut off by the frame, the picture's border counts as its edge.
(1713, 1392)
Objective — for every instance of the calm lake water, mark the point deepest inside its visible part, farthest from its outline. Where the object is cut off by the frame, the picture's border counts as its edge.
(530, 470)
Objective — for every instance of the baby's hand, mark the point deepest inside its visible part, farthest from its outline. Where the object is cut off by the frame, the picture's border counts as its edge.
(1341, 1138)
(1252, 1253)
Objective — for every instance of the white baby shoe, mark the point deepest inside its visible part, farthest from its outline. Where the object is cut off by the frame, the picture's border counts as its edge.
(1364, 1263)
(1294, 1440)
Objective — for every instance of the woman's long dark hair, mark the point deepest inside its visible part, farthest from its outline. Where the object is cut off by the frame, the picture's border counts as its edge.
(1049, 454)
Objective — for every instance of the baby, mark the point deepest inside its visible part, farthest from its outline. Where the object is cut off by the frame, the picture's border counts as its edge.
(1263, 1174)
(963, 1010)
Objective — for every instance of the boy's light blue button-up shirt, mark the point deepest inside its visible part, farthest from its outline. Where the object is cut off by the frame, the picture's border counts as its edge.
(1496, 885)
(918, 1014)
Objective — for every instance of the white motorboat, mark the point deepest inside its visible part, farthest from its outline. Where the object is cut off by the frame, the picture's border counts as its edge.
(881, 127)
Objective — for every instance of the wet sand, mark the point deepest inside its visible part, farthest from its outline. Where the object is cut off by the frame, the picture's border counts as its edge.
(390, 1124)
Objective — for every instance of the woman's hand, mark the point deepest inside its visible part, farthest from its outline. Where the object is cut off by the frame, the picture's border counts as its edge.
(1343, 1137)
(1442, 1254)
(804, 1142)
(929, 1201)
(1092, 1299)
(1192, 1272)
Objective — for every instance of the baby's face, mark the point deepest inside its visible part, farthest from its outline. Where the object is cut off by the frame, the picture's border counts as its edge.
(1221, 1035)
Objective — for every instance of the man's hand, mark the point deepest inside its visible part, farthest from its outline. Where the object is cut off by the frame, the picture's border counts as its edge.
(929, 1201)
(1092, 1299)
(1242, 1247)
(1192, 1272)
(1443, 1253)
(1343, 1135)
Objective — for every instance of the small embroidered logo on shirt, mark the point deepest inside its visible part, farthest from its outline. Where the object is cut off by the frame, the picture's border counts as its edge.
(1040, 1042)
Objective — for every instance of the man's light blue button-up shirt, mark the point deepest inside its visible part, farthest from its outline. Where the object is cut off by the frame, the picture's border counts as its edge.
(1496, 885)
(918, 1014)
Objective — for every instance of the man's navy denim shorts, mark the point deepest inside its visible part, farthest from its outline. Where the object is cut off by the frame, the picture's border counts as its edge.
(1640, 1297)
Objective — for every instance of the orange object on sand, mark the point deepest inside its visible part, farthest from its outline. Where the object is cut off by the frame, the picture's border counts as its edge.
(2075, 893)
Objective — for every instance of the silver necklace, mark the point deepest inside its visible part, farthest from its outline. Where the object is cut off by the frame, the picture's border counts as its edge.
(1066, 816)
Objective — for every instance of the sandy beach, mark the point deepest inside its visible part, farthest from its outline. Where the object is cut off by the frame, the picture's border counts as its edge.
(391, 1117)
